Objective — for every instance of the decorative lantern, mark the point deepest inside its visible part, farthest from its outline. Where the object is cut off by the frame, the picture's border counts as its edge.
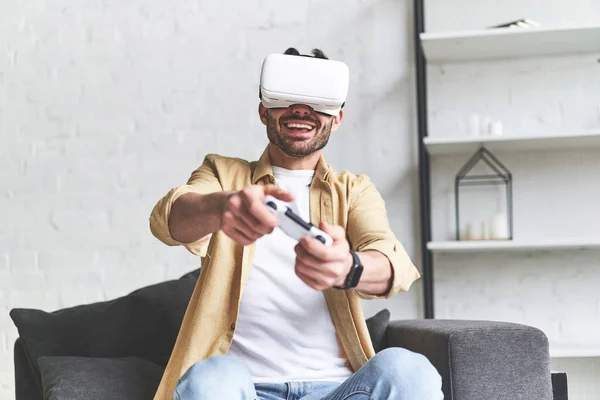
(492, 216)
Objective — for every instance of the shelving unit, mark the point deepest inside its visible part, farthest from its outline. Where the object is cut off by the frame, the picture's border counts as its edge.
(574, 352)
(512, 245)
(509, 43)
(468, 145)
(490, 44)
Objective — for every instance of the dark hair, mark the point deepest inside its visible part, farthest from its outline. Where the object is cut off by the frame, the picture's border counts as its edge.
(316, 53)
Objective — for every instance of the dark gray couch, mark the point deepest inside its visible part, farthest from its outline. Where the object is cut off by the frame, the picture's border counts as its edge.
(118, 350)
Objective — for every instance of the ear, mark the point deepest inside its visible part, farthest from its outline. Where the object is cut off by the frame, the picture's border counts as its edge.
(337, 120)
(262, 113)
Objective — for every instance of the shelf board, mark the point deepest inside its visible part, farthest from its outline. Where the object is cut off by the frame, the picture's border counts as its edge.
(574, 352)
(512, 245)
(462, 145)
(497, 43)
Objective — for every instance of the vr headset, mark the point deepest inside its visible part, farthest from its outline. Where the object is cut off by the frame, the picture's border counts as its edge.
(318, 83)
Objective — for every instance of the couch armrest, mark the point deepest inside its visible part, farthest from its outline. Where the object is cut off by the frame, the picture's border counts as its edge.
(480, 359)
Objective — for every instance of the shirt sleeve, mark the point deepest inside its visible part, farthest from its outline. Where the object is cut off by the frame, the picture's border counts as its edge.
(369, 229)
(202, 181)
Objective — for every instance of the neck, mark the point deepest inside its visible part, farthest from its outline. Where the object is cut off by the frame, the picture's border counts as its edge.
(280, 159)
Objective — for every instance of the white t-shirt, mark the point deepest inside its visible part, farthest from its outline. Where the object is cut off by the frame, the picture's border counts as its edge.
(284, 332)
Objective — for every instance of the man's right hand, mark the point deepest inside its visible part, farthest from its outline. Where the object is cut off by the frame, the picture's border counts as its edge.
(245, 218)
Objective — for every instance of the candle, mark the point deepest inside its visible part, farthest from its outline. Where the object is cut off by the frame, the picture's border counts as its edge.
(473, 125)
(499, 227)
(485, 234)
(467, 232)
(496, 128)
(475, 231)
(486, 126)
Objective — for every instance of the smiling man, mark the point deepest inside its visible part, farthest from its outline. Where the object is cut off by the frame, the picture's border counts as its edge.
(272, 317)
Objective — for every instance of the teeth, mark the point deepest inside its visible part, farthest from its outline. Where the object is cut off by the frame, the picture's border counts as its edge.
(299, 126)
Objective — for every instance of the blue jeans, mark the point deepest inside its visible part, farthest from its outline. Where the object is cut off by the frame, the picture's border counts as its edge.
(392, 374)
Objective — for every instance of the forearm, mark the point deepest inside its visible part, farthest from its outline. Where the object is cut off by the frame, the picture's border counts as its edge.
(377, 273)
(194, 215)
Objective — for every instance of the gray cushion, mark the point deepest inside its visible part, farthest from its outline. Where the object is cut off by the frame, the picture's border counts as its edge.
(144, 323)
(377, 326)
(77, 378)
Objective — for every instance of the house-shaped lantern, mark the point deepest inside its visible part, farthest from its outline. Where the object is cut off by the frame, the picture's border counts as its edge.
(478, 192)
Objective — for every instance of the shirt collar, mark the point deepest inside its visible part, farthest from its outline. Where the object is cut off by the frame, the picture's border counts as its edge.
(265, 168)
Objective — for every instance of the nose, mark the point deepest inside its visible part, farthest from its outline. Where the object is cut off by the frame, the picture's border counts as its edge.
(300, 109)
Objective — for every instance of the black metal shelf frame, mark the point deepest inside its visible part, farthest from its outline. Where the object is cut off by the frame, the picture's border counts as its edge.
(424, 174)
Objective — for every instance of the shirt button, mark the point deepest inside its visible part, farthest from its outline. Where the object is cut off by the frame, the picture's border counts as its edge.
(232, 326)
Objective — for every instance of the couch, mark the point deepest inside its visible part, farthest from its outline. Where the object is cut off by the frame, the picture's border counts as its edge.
(118, 349)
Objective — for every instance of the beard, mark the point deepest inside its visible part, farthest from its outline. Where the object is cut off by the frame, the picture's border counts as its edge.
(298, 147)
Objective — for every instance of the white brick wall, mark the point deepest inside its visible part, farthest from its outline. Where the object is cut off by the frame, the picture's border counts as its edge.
(105, 105)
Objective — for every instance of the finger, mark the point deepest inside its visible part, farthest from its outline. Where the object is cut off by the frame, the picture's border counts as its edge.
(251, 231)
(238, 236)
(253, 205)
(262, 214)
(278, 193)
(317, 249)
(245, 234)
(325, 268)
(311, 281)
(304, 257)
(336, 232)
(249, 222)
(327, 271)
(233, 225)
(313, 266)
(340, 240)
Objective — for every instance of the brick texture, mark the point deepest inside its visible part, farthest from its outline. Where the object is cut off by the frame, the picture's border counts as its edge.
(105, 105)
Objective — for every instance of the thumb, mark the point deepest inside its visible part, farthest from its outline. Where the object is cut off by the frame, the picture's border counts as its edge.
(335, 231)
(278, 193)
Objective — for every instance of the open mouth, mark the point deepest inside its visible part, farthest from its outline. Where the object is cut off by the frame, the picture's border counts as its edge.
(299, 126)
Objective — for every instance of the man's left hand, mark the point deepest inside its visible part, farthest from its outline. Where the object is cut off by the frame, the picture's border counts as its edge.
(322, 267)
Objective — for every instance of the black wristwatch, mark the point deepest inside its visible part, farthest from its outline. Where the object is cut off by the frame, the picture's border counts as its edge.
(355, 273)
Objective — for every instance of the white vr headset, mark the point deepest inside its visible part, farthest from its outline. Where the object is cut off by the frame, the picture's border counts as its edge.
(318, 83)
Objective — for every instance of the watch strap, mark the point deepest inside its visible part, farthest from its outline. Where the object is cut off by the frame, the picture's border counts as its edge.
(355, 273)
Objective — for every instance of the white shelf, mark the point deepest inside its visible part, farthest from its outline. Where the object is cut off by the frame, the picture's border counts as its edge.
(509, 43)
(511, 245)
(581, 140)
(574, 352)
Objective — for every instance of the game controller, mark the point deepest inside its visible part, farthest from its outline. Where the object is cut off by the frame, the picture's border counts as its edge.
(292, 224)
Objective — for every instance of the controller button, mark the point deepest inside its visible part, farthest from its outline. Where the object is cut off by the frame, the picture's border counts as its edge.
(320, 238)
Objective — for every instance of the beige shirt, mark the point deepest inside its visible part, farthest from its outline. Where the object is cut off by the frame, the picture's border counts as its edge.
(345, 199)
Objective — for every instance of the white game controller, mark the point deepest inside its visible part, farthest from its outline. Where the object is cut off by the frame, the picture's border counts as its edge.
(292, 224)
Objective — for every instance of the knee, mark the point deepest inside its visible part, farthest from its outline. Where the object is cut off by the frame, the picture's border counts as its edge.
(217, 367)
(222, 375)
(410, 372)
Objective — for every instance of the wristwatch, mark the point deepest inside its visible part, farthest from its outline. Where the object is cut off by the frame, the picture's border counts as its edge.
(355, 273)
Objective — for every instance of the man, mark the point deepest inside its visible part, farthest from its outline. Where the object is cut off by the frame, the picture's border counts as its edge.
(272, 317)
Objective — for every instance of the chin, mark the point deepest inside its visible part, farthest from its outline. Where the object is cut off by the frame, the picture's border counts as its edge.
(296, 152)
